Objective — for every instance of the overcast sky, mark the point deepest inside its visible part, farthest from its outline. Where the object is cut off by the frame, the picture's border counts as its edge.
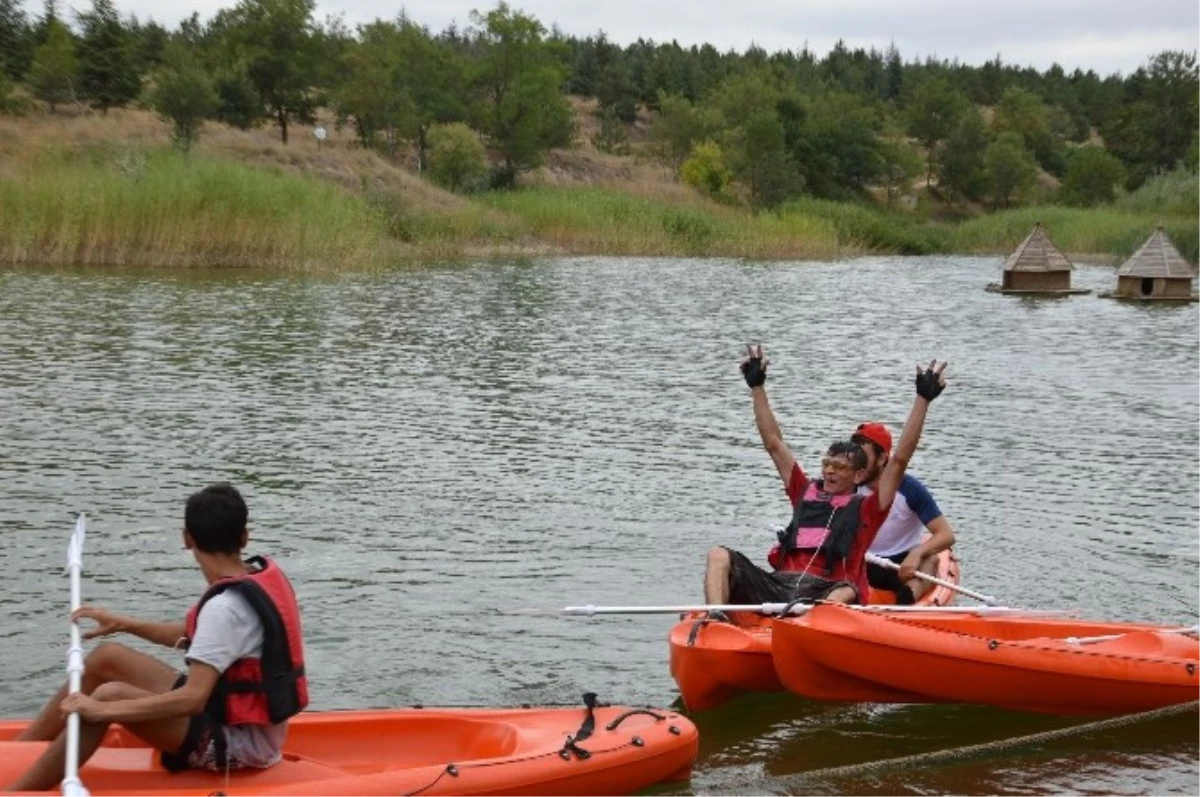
(1105, 35)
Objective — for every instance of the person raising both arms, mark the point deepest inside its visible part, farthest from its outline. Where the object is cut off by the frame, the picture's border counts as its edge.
(900, 539)
(821, 553)
(245, 658)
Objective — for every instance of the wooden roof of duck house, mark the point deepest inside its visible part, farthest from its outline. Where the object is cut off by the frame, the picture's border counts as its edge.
(1037, 266)
(1156, 271)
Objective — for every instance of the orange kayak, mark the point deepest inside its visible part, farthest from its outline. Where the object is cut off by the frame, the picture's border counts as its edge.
(714, 662)
(409, 751)
(1022, 662)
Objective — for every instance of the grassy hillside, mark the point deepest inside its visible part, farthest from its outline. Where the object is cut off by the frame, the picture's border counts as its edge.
(109, 189)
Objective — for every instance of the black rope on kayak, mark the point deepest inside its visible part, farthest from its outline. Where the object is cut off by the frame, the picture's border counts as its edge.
(585, 730)
(793, 784)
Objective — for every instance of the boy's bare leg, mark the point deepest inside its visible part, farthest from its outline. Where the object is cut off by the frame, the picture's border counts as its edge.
(109, 662)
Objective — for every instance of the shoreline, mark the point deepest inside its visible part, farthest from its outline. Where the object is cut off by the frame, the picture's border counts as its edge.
(106, 191)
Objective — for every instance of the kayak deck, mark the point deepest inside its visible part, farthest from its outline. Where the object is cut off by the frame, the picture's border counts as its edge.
(433, 751)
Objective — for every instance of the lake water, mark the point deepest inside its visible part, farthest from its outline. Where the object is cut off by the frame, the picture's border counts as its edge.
(426, 447)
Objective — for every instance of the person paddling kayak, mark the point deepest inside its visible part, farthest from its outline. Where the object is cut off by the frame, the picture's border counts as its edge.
(245, 660)
(821, 553)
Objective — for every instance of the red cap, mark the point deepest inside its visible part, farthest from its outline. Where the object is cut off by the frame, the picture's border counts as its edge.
(877, 433)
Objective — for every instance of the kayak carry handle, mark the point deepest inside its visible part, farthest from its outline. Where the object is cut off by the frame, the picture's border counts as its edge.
(612, 726)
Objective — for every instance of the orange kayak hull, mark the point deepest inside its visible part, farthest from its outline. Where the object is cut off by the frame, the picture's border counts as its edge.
(713, 663)
(1024, 663)
(403, 751)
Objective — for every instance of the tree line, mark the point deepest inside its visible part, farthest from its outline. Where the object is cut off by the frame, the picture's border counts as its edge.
(480, 105)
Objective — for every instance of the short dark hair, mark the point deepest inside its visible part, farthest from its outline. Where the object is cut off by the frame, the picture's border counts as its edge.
(216, 518)
(850, 451)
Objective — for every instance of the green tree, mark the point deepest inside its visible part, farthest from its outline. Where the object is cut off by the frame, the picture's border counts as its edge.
(1010, 168)
(433, 76)
(837, 146)
(373, 94)
(894, 83)
(16, 40)
(962, 169)
(1091, 177)
(612, 136)
(1154, 127)
(900, 163)
(10, 102)
(107, 75)
(274, 39)
(238, 103)
(184, 95)
(679, 126)
(707, 171)
(1191, 159)
(54, 71)
(1022, 112)
(457, 158)
(520, 77)
(765, 165)
(743, 95)
(931, 113)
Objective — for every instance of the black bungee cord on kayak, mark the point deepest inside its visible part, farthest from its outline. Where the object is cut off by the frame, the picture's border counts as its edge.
(585, 731)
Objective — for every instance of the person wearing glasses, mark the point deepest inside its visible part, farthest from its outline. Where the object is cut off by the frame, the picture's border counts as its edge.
(901, 538)
(821, 553)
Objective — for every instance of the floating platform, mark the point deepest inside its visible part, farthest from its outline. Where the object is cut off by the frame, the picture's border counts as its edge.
(1127, 298)
(994, 287)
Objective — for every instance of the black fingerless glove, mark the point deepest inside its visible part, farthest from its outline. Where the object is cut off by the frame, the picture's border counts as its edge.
(928, 386)
(754, 371)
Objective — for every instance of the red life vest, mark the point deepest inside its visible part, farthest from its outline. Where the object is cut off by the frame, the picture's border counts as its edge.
(273, 687)
(823, 525)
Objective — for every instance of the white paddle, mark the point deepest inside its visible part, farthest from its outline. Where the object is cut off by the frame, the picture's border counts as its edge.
(890, 565)
(1088, 640)
(72, 786)
(774, 608)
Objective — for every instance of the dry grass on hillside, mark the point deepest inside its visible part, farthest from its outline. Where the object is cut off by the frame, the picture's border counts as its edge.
(339, 158)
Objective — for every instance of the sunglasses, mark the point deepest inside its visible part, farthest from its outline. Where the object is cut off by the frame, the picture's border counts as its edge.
(833, 463)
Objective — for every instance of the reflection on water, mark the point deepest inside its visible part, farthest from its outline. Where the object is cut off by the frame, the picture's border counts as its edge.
(426, 447)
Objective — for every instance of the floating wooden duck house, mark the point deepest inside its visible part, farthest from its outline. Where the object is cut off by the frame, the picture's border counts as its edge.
(1037, 267)
(1155, 272)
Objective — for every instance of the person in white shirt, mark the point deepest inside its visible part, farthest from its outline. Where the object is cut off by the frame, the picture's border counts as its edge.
(245, 660)
(902, 539)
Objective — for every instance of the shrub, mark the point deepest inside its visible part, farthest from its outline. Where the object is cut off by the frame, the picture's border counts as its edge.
(706, 170)
(457, 158)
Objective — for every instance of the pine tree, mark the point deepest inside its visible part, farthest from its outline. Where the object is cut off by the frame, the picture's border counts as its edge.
(16, 39)
(54, 71)
(107, 77)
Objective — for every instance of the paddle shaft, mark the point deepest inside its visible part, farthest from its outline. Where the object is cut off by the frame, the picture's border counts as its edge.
(71, 784)
(1088, 640)
(890, 565)
(777, 608)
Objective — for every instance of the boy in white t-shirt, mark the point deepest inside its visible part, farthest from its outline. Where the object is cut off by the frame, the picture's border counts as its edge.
(243, 635)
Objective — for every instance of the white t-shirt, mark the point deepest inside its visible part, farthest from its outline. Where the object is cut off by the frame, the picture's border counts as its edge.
(228, 629)
(912, 509)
